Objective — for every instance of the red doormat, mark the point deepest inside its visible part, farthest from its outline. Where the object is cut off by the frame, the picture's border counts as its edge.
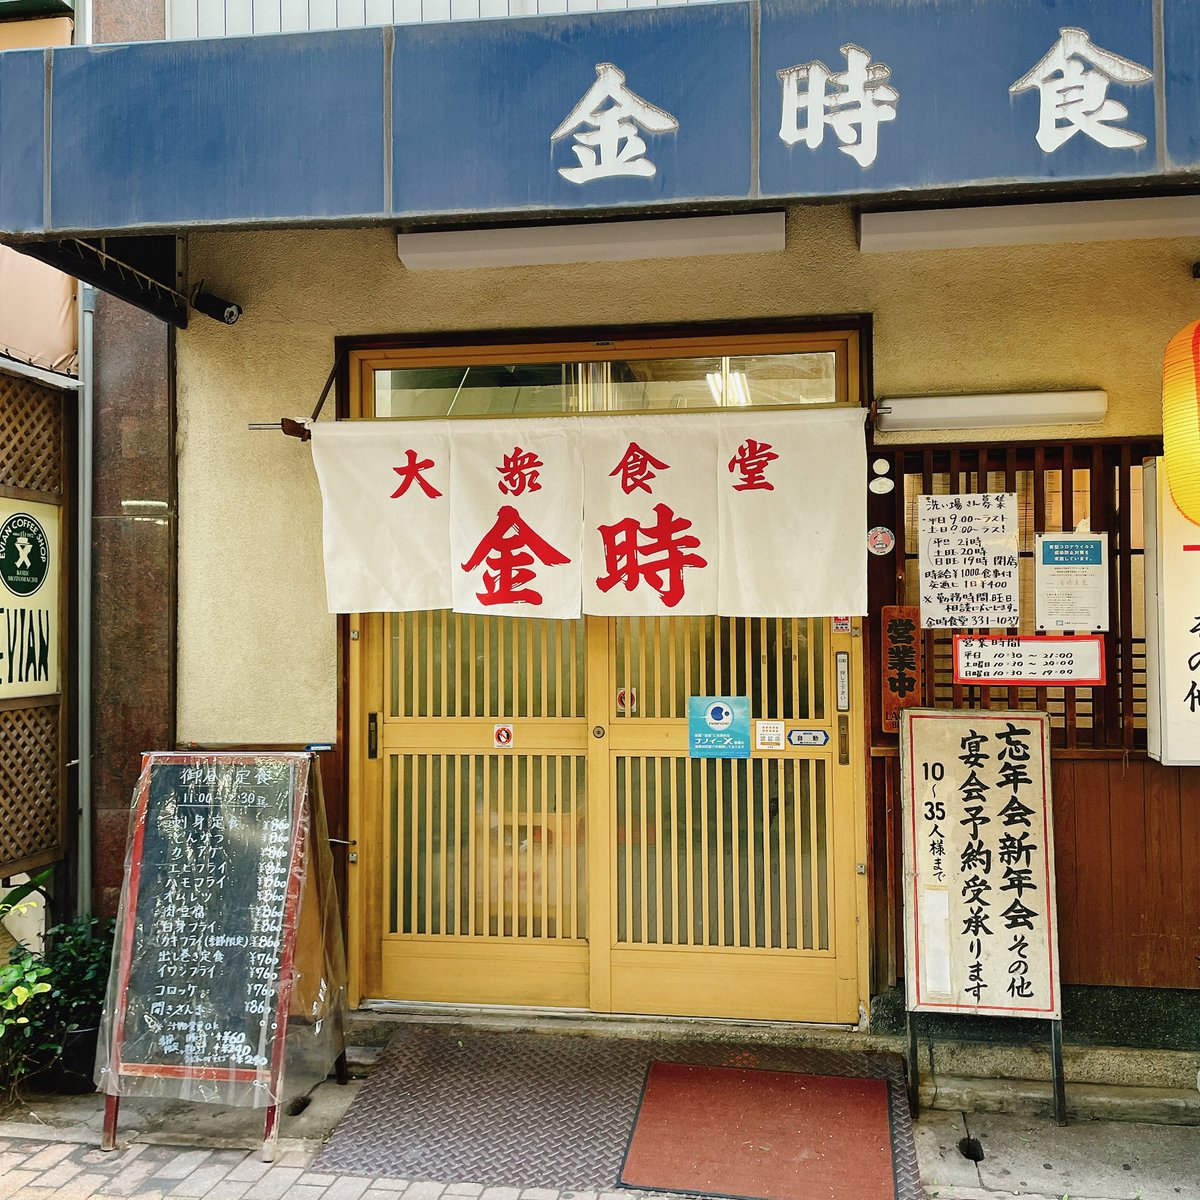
(766, 1135)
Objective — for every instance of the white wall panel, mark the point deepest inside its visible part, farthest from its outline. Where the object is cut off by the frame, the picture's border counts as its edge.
(237, 18)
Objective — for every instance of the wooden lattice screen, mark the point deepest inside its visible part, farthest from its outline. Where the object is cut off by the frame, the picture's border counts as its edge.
(32, 784)
(1057, 487)
(31, 436)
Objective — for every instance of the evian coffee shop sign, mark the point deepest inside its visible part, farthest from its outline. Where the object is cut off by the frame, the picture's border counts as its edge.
(29, 599)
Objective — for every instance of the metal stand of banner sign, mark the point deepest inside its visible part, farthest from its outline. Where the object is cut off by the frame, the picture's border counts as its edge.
(1057, 1074)
(112, 1105)
(914, 1068)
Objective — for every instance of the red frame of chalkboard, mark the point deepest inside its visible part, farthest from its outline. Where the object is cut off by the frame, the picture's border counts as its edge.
(959, 638)
(290, 915)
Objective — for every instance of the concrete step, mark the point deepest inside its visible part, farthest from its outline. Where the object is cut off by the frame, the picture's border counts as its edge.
(1085, 1101)
(1103, 1082)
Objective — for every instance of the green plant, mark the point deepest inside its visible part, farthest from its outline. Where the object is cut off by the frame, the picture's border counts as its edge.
(48, 999)
(22, 982)
(78, 956)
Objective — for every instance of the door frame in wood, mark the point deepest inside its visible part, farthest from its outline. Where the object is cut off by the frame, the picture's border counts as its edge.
(845, 337)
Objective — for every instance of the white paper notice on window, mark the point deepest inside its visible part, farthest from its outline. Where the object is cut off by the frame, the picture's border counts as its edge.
(969, 562)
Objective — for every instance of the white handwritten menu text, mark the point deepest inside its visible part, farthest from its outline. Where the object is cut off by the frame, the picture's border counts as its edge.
(981, 930)
(210, 882)
(969, 561)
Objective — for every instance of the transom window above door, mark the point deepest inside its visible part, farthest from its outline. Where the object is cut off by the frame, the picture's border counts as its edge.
(678, 375)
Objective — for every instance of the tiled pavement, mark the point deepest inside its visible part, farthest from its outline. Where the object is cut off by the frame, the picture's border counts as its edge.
(32, 1170)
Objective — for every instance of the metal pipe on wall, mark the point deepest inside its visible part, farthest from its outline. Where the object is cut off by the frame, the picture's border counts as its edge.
(83, 637)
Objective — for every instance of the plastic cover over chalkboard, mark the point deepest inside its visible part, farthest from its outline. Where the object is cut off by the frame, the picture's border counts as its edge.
(228, 935)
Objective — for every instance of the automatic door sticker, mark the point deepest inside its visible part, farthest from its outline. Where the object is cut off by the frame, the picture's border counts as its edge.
(719, 726)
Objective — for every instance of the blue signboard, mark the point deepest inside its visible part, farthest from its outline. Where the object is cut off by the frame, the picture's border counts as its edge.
(729, 103)
(718, 727)
(587, 110)
(1088, 552)
(871, 96)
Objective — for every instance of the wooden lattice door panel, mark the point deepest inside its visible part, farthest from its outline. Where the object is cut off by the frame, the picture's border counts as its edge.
(31, 811)
(31, 436)
(33, 476)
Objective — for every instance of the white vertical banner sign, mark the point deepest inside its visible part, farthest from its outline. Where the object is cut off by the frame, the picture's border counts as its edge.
(981, 928)
(516, 520)
(783, 483)
(1172, 625)
(650, 517)
(385, 497)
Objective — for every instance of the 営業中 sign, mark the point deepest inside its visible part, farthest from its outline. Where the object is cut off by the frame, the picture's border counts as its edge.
(1070, 581)
(981, 930)
(968, 555)
(902, 661)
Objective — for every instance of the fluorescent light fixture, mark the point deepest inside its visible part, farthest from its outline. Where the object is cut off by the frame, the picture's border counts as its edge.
(1030, 224)
(739, 389)
(714, 385)
(593, 241)
(736, 390)
(903, 413)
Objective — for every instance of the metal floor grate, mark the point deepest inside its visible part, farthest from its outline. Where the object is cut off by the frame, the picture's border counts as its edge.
(547, 1110)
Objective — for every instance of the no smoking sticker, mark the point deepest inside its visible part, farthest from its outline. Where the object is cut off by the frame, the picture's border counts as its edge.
(502, 736)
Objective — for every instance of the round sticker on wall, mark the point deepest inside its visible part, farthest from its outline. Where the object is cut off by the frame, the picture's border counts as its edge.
(24, 554)
(881, 540)
(718, 715)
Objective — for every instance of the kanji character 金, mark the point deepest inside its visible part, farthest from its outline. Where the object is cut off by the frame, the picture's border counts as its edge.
(412, 472)
(509, 550)
(656, 553)
(635, 469)
(750, 460)
(519, 472)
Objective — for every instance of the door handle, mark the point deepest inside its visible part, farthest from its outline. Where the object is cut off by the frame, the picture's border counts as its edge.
(598, 731)
(373, 735)
(843, 741)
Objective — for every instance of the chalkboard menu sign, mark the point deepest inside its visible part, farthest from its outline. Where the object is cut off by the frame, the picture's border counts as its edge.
(228, 937)
(205, 948)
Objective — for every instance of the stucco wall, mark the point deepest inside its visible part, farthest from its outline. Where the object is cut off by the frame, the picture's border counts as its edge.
(257, 653)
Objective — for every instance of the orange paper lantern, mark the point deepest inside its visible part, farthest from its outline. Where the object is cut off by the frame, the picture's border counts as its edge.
(1181, 419)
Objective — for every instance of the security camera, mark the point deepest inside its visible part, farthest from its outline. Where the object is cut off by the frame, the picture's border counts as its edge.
(225, 311)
